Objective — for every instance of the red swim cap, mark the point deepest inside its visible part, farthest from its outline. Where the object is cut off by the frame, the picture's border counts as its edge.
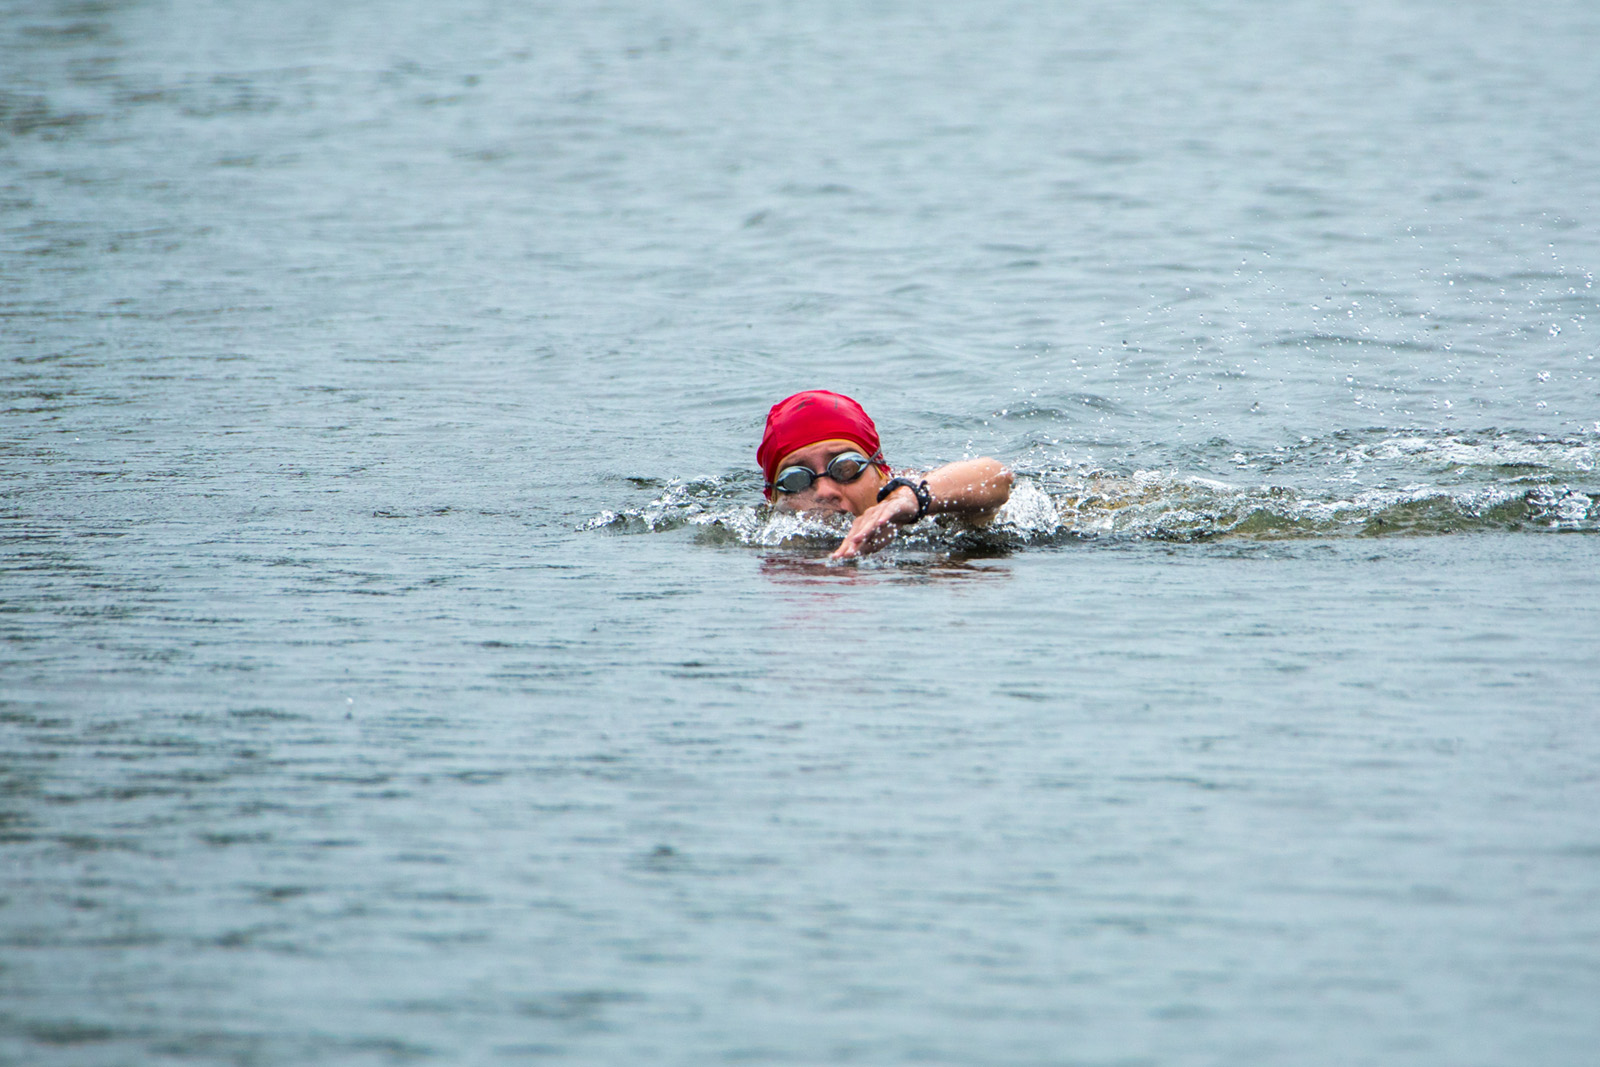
(809, 417)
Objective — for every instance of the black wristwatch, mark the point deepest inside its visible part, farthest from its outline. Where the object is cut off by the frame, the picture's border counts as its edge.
(924, 497)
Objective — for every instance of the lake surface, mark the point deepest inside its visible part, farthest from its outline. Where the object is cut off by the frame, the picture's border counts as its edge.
(399, 667)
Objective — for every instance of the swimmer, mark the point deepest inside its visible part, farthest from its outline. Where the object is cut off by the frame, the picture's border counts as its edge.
(820, 452)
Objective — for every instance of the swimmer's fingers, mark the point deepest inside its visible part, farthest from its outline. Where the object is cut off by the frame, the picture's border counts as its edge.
(874, 527)
(860, 538)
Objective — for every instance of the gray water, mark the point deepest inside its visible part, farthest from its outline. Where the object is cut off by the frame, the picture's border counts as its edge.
(399, 667)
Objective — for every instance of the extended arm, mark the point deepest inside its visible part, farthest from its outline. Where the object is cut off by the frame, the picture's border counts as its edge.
(970, 487)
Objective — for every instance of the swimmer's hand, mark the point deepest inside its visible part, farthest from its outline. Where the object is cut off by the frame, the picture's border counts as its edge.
(970, 488)
(874, 527)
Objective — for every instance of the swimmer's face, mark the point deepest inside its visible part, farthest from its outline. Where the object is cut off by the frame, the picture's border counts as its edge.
(825, 494)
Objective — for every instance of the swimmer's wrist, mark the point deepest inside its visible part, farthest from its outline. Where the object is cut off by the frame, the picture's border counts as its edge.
(919, 490)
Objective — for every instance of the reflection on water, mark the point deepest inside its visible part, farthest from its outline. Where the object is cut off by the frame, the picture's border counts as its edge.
(803, 570)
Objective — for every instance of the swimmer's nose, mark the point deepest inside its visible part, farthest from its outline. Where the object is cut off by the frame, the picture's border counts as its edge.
(827, 490)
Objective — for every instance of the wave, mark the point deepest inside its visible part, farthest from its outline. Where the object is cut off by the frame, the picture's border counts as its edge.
(1394, 485)
(1172, 507)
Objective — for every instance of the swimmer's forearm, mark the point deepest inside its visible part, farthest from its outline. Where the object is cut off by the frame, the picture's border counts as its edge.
(968, 486)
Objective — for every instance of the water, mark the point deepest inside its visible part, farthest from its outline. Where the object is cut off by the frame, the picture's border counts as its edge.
(398, 666)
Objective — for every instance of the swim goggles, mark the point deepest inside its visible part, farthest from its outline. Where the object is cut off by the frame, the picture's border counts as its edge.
(844, 468)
